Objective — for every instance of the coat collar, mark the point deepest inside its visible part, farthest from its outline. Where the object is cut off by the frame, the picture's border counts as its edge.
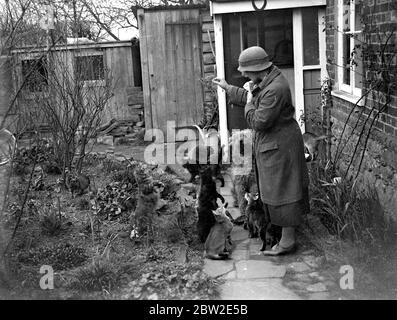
(267, 80)
(270, 77)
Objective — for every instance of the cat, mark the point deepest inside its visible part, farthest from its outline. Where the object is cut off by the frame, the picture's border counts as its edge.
(241, 185)
(258, 222)
(149, 200)
(193, 163)
(77, 182)
(311, 143)
(207, 198)
(218, 244)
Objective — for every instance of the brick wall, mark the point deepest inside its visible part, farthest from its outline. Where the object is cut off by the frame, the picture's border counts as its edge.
(379, 167)
(209, 65)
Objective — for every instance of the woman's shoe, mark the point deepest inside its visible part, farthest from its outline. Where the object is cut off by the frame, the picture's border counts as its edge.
(278, 250)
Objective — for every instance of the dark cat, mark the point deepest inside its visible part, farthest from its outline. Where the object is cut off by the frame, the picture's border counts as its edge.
(195, 162)
(258, 222)
(218, 244)
(208, 196)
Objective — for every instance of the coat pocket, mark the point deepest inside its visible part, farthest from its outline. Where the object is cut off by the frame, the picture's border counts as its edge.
(268, 146)
(269, 154)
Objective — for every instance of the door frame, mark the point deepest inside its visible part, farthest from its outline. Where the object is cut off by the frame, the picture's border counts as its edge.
(219, 8)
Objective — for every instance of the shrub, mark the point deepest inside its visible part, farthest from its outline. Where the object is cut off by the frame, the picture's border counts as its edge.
(98, 275)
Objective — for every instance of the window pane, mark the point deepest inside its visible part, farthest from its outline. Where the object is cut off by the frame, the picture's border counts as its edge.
(276, 36)
(272, 30)
(231, 31)
(250, 30)
(358, 57)
(34, 73)
(310, 36)
(90, 68)
(346, 42)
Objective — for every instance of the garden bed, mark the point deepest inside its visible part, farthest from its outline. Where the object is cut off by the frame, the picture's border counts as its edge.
(86, 238)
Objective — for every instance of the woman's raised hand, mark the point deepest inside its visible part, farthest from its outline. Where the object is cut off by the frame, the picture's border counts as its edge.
(220, 82)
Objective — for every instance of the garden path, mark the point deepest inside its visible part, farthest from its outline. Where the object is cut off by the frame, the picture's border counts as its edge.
(249, 275)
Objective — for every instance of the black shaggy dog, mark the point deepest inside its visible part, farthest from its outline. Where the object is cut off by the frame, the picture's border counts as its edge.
(207, 198)
(258, 222)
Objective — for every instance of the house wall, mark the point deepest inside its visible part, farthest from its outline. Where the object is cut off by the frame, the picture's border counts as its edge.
(209, 64)
(379, 167)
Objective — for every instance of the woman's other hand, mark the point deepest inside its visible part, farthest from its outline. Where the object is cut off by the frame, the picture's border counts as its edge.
(248, 86)
(220, 82)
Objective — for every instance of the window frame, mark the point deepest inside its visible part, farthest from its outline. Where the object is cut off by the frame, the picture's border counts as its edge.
(351, 88)
(87, 54)
(27, 86)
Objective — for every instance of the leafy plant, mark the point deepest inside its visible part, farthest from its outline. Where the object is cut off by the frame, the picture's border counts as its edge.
(173, 282)
(115, 199)
(61, 256)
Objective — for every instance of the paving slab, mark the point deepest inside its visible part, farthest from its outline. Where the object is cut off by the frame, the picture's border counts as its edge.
(241, 244)
(230, 275)
(216, 268)
(239, 254)
(229, 199)
(302, 277)
(317, 287)
(298, 267)
(319, 296)
(239, 233)
(254, 269)
(260, 289)
(225, 191)
(235, 212)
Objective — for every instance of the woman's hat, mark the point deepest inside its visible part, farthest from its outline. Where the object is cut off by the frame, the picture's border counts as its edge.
(253, 59)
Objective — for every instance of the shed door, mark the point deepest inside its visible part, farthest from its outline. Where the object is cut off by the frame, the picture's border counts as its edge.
(184, 93)
(171, 67)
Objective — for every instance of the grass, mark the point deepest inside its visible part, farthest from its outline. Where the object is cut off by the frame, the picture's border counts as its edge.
(351, 228)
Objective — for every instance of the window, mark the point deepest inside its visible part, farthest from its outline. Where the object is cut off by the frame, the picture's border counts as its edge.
(271, 30)
(311, 55)
(90, 68)
(34, 74)
(350, 67)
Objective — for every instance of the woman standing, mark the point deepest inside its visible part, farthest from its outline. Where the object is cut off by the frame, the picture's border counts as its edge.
(281, 169)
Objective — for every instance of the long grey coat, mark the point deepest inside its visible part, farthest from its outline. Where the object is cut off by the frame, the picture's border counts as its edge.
(278, 144)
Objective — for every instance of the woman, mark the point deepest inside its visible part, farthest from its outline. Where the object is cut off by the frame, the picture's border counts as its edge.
(278, 145)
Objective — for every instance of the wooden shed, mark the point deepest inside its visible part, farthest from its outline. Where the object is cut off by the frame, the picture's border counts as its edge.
(121, 59)
(172, 69)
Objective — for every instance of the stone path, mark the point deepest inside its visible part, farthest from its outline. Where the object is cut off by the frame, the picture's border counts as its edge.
(249, 275)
